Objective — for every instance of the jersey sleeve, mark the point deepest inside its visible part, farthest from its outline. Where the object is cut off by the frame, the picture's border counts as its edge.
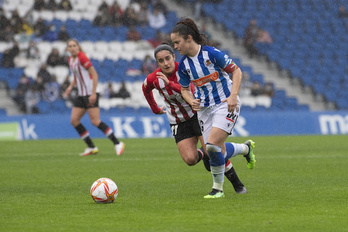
(184, 77)
(174, 86)
(85, 62)
(223, 61)
(147, 87)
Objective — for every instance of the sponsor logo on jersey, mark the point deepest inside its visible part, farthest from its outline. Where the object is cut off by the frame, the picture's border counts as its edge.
(203, 80)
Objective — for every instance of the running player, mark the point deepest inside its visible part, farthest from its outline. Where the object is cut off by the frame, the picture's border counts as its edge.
(215, 98)
(182, 119)
(86, 80)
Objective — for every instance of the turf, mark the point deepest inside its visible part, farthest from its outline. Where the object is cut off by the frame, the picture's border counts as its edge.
(299, 184)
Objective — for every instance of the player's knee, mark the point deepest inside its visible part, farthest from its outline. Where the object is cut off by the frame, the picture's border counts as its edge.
(190, 161)
(74, 122)
(189, 158)
(213, 148)
(95, 122)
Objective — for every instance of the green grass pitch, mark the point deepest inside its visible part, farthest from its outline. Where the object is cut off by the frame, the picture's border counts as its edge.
(300, 183)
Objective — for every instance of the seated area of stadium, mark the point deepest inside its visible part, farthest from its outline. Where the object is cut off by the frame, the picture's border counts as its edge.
(310, 42)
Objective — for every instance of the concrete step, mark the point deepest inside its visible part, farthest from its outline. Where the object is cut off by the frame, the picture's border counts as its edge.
(7, 103)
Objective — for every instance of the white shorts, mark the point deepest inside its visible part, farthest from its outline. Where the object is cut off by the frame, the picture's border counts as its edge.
(219, 117)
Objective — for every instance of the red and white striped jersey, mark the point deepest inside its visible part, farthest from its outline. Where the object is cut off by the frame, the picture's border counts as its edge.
(177, 109)
(78, 67)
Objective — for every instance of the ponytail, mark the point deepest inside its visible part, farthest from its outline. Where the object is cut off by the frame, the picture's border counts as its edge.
(186, 27)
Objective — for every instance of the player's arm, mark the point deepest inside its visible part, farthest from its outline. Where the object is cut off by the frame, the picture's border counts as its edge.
(70, 87)
(189, 98)
(237, 80)
(91, 71)
(147, 88)
(171, 84)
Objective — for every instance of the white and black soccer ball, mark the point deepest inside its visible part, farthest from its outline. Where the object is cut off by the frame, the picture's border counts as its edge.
(104, 190)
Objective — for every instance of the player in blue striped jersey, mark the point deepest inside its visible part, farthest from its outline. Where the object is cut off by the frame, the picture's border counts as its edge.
(216, 96)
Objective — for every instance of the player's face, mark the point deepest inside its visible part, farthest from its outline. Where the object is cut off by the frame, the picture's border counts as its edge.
(180, 43)
(73, 48)
(166, 61)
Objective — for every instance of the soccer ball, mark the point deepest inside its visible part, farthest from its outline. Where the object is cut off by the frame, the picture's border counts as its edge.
(104, 190)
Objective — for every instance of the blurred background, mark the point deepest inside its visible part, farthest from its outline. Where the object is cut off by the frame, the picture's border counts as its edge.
(293, 55)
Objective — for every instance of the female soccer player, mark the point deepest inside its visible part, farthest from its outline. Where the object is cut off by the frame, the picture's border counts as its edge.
(215, 99)
(86, 79)
(182, 119)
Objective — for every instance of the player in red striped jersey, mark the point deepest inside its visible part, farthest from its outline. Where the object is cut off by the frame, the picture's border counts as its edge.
(183, 120)
(86, 80)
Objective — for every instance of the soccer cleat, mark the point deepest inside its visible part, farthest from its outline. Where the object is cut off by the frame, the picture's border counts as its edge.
(119, 148)
(215, 194)
(241, 190)
(90, 151)
(250, 157)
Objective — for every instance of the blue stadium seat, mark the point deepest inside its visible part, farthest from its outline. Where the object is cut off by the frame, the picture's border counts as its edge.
(3, 112)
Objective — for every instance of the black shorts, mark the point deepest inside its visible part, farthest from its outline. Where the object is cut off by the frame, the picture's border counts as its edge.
(187, 129)
(82, 102)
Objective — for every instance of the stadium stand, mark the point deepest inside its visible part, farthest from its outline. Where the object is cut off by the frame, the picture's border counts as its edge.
(310, 40)
(316, 55)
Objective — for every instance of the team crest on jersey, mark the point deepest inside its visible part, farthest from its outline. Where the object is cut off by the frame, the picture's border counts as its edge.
(208, 63)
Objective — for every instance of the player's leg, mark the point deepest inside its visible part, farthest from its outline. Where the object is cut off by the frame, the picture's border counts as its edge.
(188, 151)
(245, 149)
(186, 136)
(232, 176)
(214, 144)
(76, 115)
(94, 115)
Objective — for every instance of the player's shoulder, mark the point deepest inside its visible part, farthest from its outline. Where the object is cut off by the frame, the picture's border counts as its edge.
(212, 50)
(81, 55)
(151, 78)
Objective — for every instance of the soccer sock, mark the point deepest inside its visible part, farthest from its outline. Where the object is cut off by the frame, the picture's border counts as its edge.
(233, 149)
(200, 154)
(228, 165)
(232, 176)
(84, 134)
(217, 165)
(108, 132)
(205, 158)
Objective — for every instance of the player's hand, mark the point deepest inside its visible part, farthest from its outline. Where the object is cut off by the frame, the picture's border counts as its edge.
(160, 75)
(195, 104)
(232, 102)
(92, 99)
(162, 110)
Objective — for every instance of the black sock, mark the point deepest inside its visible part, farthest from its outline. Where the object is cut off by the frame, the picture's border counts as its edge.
(232, 176)
(200, 155)
(84, 134)
(205, 158)
(108, 132)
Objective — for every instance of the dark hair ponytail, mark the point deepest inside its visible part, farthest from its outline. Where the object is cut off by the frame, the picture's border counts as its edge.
(186, 27)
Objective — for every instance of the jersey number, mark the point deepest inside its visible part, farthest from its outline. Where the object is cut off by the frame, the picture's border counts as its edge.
(174, 129)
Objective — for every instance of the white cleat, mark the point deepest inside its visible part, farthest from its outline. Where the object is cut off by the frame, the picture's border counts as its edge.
(90, 151)
(119, 148)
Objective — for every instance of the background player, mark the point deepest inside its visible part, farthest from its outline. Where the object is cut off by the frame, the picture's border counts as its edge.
(86, 79)
(182, 119)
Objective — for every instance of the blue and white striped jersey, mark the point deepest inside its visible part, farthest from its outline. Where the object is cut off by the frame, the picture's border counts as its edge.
(205, 71)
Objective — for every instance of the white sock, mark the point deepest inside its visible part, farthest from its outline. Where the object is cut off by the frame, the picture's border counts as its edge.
(240, 149)
(218, 176)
